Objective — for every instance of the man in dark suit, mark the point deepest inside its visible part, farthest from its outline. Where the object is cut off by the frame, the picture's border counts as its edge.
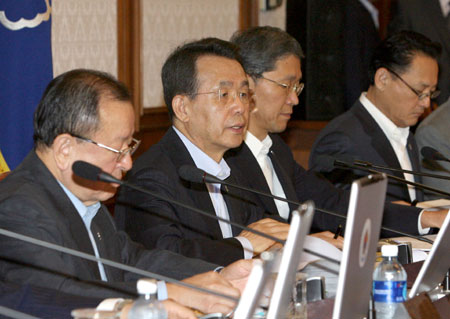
(403, 76)
(87, 115)
(206, 92)
(430, 18)
(271, 59)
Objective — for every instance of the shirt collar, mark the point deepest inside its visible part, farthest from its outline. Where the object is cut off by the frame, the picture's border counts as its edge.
(392, 131)
(220, 170)
(83, 210)
(256, 146)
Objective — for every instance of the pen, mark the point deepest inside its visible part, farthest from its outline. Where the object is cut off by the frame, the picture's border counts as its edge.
(337, 232)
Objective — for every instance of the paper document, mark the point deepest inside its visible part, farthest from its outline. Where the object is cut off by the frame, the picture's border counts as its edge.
(320, 246)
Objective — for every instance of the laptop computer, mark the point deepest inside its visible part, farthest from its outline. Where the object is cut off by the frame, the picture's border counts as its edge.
(437, 263)
(293, 248)
(362, 231)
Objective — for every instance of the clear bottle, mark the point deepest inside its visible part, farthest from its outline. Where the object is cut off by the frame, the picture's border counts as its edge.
(389, 284)
(147, 306)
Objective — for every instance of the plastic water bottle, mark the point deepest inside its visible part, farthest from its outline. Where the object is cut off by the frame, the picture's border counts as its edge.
(389, 284)
(147, 305)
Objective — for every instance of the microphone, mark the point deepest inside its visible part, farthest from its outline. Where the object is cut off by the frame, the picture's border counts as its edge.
(430, 153)
(94, 173)
(107, 262)
(197, 175)
(84, 169)
(330, 162)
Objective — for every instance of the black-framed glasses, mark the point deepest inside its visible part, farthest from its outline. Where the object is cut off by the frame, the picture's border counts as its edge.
(120, 154)
(421, 95)
(296, 87)
(225, 96)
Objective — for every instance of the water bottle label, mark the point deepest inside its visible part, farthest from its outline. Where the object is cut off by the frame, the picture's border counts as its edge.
(389, 291)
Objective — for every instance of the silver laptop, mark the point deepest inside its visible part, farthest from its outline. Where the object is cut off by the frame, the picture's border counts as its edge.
(437, 263)
(293, 248)
(362, 231)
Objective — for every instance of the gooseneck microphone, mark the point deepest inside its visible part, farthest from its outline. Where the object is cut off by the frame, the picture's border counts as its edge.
(432, 154)
(107, 262)
(94, 173)
(196, 175)
(330, 162)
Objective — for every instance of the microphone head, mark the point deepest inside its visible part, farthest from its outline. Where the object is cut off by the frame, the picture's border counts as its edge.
(196, 175)
(430, 153)
(191, 174)
(86, 170)
(93, 173)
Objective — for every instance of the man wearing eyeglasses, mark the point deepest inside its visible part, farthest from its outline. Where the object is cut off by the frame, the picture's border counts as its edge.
(403, 74)
(207, 95)
(87, 115)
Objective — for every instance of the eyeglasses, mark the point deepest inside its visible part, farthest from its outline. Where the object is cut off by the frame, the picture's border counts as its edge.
(225, 96)
(120, 154)
(421, 95)
(296, 87)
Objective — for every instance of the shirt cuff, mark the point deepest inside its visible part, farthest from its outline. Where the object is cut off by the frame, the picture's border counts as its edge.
(247, 246)
(162, 290)
(422, 231)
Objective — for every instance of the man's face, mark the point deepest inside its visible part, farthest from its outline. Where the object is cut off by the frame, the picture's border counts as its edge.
(274, 103)
(115, 130)
(402, 106)
(217, 124)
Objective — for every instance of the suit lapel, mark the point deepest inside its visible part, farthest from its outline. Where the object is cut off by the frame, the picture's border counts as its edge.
(285, 180)
(68, 216)
(197, 192)
(382, 146)
(249, 165)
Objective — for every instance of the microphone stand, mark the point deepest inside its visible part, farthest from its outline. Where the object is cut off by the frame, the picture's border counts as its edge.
(339, 163)
(211, 179)
(368, 164)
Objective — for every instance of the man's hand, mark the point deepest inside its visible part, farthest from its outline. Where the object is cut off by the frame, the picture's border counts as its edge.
(329, 237)
(206, 303)
(237, 273)
(433, 218)
(268, 226)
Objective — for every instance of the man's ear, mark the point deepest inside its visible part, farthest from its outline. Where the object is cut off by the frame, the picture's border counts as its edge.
(181, 107)
(63, 150)
(382, 78)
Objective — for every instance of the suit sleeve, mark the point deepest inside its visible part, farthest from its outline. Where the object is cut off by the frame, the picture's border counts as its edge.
(156, 223)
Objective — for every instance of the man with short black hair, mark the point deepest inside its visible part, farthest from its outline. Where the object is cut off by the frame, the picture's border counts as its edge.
(207, 95)
(403, 75)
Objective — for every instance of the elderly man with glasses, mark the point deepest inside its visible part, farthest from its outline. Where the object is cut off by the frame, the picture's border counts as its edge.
(87, 115)
(403, 78)
(207, 95)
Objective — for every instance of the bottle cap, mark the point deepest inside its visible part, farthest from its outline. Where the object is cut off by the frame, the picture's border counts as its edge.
(389, 250)
(146, 286)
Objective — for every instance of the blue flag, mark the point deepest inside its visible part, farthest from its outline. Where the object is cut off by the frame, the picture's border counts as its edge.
(25, 70)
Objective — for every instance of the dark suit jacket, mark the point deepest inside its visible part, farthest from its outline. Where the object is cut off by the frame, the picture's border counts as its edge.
(298, 184)
(425, 16)
(158, 223)
(356, 135)
(42, 302)
(34, 204)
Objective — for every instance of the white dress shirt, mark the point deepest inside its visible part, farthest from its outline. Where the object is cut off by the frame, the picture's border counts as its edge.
(398, 137)
(259, 150)
(221, 171)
